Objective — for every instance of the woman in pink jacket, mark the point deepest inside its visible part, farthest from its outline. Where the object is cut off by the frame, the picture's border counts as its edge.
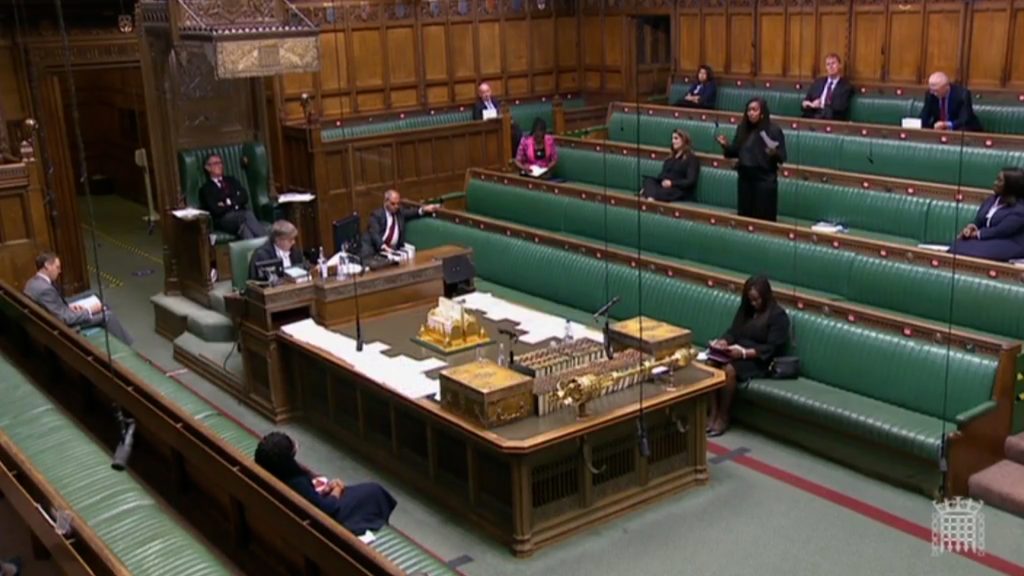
(537, 154)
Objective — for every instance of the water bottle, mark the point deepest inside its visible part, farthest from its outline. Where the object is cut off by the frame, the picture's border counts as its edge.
(340, 271)
(502, 356)
(322, 264)
(567, 337)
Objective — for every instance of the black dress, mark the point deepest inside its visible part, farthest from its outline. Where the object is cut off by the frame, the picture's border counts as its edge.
(683, 172)
(768, 333)
(757, 188)
(360, 507)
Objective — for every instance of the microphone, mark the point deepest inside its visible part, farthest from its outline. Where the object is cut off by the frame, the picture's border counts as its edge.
(603, 311)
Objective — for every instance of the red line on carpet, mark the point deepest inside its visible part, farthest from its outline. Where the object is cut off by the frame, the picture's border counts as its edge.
(863, 508)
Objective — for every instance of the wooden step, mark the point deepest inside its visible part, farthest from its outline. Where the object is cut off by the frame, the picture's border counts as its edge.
(1000, 485)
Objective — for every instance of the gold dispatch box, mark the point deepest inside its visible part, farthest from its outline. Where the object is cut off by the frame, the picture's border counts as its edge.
(486, 393)
(658, 338)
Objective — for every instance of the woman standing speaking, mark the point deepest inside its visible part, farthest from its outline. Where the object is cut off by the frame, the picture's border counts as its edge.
(760, 147)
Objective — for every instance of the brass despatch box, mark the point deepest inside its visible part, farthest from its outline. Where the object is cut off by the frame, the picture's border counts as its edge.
(486, 393)
(650, 336)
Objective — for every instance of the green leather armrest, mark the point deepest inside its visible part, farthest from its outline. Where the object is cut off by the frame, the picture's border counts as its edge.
(979, 410)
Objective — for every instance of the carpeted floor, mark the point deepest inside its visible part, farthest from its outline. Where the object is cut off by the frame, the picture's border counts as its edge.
(770, 508)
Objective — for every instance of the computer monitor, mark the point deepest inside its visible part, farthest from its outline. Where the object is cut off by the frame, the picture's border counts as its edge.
(346, 233)
(270, 270)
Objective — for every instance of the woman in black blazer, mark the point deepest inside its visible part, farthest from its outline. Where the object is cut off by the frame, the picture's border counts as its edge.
(997, 232)
(678, 177)
(703, 92)
(760, 148)
(759, 333)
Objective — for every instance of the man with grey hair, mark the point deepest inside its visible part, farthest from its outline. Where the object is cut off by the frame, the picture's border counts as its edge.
(42, 289)
(386, 229)
(948, 106)
(279, 246)
(487, 107)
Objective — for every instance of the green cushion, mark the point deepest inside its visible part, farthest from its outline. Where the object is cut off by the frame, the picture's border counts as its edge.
(388, 126)
(239, 253)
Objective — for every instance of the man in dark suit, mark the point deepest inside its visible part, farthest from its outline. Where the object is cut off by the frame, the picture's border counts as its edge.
(386, 231)
(228, 202)
(280, 246)
(948, 106)
(487, 107)
(40, 288)
(829, 96)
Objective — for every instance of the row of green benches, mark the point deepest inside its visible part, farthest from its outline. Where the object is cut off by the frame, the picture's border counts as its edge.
(523, 114)
(1001, 118)
(858, 385)
(907, 288)
(921, 161)
(885, 216)
(119, 510)
(125, 539)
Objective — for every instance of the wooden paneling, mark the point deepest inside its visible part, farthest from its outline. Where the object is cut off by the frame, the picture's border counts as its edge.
(905, 47)
(401, 49)
(833, 36)
(489, 34)
(988, 47)
(741, 37)
(517, 44)
(542, 43)
(567, 42)
(868, 59)
(593, 41)
(463, 53)
(801, 45)
(10, 89)
(613, 48)
(367, 49)
(435, 53)
(1017, 48)
(942, 44)
(714, 38)
(773, 35)
(689, 42)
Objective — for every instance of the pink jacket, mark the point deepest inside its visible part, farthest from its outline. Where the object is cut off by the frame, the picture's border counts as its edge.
(525, 154)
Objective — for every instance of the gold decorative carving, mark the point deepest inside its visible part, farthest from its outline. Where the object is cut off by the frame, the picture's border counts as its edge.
(248, 58)
(233, 12)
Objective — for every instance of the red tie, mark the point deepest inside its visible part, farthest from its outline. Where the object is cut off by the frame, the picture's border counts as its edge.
(943, 116)
(390, 235)
(828, 93)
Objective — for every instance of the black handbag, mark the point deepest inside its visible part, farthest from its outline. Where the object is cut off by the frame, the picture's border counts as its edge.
(785, 368)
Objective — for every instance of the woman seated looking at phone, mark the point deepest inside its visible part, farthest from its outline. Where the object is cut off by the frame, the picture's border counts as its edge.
(759, 333)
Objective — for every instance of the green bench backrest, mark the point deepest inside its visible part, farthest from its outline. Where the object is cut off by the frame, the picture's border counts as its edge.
(945, 163)
(890, 284)
(113, 504)
(524, 114)
(1001, 118)
(889, 368)
(254, 174)
(416, 122)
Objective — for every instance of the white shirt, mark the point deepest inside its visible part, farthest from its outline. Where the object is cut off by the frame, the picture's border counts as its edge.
(992, 212)
(285, 256)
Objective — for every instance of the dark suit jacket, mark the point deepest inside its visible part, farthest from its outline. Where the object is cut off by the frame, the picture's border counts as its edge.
(1001, 239)
(378, 226)
(959, 108)
(267, 252)
(839, 109)
(219, 201)
(46, 295)
(478, 108)
(708, 95)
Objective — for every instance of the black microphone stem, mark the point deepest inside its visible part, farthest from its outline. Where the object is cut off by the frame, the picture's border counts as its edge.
(355, 297)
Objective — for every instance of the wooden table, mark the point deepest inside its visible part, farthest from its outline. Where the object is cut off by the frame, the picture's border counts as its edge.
(331, 301)
(529, 483)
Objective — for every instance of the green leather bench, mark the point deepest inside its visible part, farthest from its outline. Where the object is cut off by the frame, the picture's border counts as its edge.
(861, 384)
(936, 295)
(897, 218)
(948, 164)
(524, 114)
(997, 118)
(247, 162)
(393, 544)
(132, 525)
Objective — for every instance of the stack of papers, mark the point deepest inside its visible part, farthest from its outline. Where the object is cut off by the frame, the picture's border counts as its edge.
(537, 171)
(189, 213)
(401, 373)
(829, 227)
(295, 197)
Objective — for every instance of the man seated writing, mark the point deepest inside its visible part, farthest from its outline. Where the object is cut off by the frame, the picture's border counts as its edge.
(228, 202)
(40, 288)
(280, 246)
(386, 230)
(948, 106)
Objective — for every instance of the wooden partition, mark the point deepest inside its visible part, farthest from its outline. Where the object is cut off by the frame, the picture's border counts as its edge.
(24, 229)
(392, 54)
(351, 175)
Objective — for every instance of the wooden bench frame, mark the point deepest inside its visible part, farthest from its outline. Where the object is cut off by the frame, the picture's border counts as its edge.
(268, 525)
(977, 446)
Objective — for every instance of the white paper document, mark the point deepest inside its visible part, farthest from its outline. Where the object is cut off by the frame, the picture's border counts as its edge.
(539, 326)
(537, 171)
(88, 302)
(768, 141)
(295, 197)
(829, 227)
(189, 213)
(490, 114)
(911, 123)
(936, 247)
